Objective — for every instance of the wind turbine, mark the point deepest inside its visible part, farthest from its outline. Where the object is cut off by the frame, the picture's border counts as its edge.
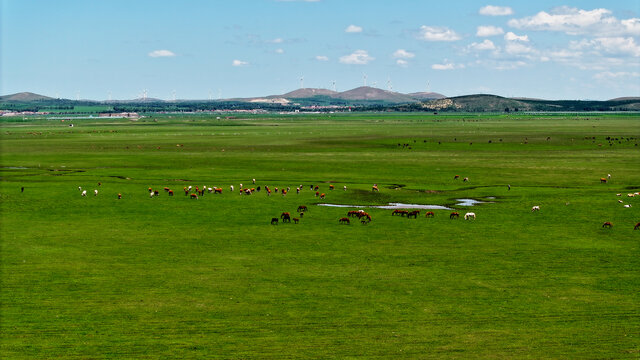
(364, 76)
(389, 86)
(109, 95)
(375, 83)
(333, 83)
(210, 95)
(173, 95)
(302, 82)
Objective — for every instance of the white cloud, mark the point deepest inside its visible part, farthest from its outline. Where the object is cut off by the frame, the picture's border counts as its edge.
(402, 62)
(322, 58)
(491, 10)
(513, 37)
(515, 48)
(575, 21)
(489, 31)
(608, 75)
(239, 63)
(403, 54)
(161, 53)
(277, 41)
(358, 57)
(447, 66)
(437, 33)
(618, 45)
(485, 45)
(279, 51)
(353, 29)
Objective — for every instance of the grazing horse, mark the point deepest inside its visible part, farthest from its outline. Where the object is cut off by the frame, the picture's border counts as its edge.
(607, 224)
(469, 216)
(375, 188)
(535, 208)
(353, 213)
(322, 196)
(302, 208)
(465, 179)
(274, 221)
(217, 190)
(317, 193)
(170, 192)
(454, 215)
(295, 220)
(344, 220)
(166, 189)
(331, 187)
(430, 214)
(286, 217)
(399, 212)
(193, 196)
(413, 213)
(637, 226)
(456, 177)
(119, 196)
(365, 219)
(603, 180)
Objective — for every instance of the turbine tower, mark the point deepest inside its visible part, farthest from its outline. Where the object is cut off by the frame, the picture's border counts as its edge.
(364, 77)
(333, 85)
(302, 82)
(389, 86)
(173, 95)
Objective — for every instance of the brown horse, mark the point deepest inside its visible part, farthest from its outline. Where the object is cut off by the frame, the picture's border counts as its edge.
(274, 221)
(353, 213)
(302, 208)
(399, 212)
(285, 216)
(331, 187)
(322, 196)
(295, 220)
(365, 219)
(344, 220)
(637, 226)
(430, 214)
(170, 192)
(455, 177)
(414, 213)
(607, 224)
(193, 196)
(454, 215)
(603, 180)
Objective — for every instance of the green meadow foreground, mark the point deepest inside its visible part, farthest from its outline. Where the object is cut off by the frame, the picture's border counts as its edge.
(172, 277)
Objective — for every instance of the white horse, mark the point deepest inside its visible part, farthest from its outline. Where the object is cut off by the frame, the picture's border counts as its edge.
(470, 215)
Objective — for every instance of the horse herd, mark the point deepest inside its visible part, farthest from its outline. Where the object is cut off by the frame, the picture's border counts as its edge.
(362, 216)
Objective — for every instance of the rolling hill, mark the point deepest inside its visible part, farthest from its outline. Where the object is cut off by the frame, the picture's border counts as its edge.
(24, 97)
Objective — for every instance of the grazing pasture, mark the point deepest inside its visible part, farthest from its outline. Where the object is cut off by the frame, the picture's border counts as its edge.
(122, 274)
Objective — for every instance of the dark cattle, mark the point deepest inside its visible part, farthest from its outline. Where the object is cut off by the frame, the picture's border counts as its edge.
(22, 189)
(295, 220)
(301, 214)
(344, 220)
(316, 188)
(454, 215)
(607, 224)
(302, 208)
(286, 217)
(170, 192)
(156, 193)
(274, 221)
(430, 214)
(414, 213)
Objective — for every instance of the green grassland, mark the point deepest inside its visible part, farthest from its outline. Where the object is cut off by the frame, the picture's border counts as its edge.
(170, 277)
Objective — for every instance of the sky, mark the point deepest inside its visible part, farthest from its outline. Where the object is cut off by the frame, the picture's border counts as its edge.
(117, 49)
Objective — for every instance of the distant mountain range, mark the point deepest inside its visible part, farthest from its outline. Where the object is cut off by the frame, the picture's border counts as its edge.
(364, 97)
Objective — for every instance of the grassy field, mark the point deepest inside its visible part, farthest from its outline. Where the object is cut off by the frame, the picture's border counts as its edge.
(170, 277)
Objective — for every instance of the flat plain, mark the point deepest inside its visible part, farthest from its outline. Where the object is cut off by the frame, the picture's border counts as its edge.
(172, 277)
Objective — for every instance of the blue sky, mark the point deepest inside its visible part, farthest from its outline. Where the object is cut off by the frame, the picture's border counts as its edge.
(201, 49)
